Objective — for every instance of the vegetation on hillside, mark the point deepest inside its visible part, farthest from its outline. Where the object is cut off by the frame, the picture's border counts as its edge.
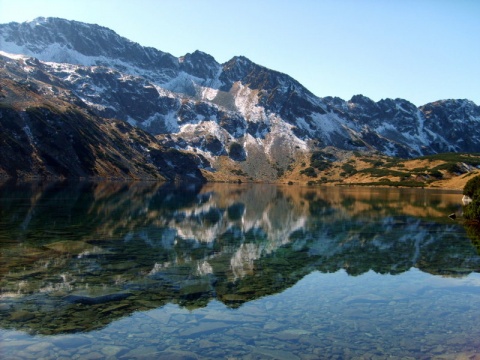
(372, 169)
(472, 190)
(471, 212)
(471, 159)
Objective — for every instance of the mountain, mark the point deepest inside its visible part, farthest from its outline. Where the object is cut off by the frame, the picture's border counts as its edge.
(48, 132)
(239, 119)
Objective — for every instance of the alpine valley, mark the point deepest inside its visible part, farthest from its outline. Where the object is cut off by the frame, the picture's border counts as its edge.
(78, 100)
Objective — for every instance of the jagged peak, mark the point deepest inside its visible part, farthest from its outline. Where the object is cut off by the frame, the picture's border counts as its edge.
(361, 100)
(460, 108)
(55, 21)
(201, 54)
(242, 62)
(198, 55)
(38, 21)
(44, 31)
(238, 61)
(199, 64)
(397, 101)
(364, 100)
(455, 102)
(60, 40)
(258, 99)
(241, 58)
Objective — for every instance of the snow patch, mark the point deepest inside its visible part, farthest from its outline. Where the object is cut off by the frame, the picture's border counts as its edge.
(250, 140)
(56, 53)
(208, 93)
(162, 92)
(205, 127)
(328, 123)
(204, 268)
(170, 121)
(399, 107)
(246, 101)
(132, 121)
(28, 131)
(93, 105)
(182, 83)
(13, 56)
(282, 129)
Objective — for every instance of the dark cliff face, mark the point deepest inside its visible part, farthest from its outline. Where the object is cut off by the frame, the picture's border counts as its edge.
(200, 64)
(401, 114)
(442, 126)
(456, 124)
(45, 134)
(49, 143)
(278, 92)
(195, 103)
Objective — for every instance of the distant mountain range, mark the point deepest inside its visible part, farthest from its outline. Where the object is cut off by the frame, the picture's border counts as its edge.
(231, 119)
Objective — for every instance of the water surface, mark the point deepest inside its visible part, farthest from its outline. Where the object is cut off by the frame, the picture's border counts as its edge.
(149, 270)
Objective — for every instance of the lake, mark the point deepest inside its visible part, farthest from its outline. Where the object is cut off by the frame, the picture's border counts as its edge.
(234, 271)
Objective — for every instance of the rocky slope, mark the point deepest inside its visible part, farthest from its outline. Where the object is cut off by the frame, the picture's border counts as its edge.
(241, 119)
(48, 132)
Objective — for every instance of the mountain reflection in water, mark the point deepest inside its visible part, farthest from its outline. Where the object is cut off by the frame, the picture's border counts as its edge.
(76, 256)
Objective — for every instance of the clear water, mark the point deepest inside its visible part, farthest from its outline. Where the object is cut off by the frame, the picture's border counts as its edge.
(154, 271)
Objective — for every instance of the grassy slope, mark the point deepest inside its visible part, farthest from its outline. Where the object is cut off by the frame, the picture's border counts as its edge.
(449, 171)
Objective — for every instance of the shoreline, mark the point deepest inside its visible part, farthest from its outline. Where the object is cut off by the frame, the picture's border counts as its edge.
(380, 185)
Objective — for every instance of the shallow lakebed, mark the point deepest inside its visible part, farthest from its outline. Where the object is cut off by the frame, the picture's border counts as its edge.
(234, 271)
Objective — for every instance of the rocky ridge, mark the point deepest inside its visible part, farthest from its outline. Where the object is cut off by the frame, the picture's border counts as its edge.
(48, 132)
(240, 119)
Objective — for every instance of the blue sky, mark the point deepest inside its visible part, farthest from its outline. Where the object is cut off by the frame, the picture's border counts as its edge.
(419, 50)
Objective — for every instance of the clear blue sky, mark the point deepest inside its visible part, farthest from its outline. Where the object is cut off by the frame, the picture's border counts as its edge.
(419, 50)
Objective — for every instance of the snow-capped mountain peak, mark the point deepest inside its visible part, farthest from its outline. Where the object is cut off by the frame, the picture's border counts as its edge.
(256, 117)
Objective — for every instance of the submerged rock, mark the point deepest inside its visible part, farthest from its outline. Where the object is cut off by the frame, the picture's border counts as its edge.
(94, 300)
(22, 315)
(71, 342)
(73, 247)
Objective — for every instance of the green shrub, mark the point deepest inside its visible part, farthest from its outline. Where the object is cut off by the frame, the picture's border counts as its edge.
(454, 168)
(310, 171)
(349, 169)
(320, 160)
(471, 158)
(393, 162)
(472, 210)
(321, 165)
(436, 174)
(236, 152)
(379, 172)
(472, 189)
(472, 186)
